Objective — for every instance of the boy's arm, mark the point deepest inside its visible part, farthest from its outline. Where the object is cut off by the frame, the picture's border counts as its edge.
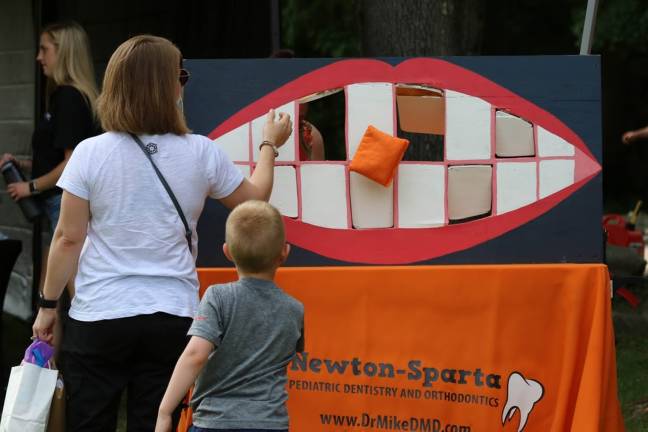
(189, 365)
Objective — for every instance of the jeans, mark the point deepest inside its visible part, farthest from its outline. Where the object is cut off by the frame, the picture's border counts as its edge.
(52, 206)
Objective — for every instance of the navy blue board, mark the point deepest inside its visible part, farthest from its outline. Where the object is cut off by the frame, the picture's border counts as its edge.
(565, 86)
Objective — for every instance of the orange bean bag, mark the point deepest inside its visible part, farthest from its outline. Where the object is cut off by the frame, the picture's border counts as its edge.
(378, 155)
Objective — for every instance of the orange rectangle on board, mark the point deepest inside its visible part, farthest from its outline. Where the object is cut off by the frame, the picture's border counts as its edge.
(437, 346)
(421, 114)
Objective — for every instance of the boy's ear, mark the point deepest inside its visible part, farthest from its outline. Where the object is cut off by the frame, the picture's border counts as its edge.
(285, 251)
(227, 252)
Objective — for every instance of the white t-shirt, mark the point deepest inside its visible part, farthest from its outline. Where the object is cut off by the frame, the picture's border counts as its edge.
(135, 259)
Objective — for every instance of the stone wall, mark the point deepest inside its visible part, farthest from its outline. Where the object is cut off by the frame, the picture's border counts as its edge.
(17, 72)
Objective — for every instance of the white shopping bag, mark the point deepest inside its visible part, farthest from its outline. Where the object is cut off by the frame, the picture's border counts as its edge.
(28, 399)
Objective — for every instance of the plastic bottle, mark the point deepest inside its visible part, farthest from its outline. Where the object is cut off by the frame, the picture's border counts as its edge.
(12, 174)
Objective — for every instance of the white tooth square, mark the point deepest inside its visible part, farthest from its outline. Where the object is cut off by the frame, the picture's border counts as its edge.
(368, 104)
(550, 144)
(236, 143)
(245, 170)
(286, 151)
(468, 127)
(513, 136)
(555, 175)
(469, 191)
(284, 191)
(372, 204)
(516, 185)
(421, 195)
(324, 195)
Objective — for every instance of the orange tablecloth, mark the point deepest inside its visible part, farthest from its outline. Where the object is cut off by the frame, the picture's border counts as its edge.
(444, 347)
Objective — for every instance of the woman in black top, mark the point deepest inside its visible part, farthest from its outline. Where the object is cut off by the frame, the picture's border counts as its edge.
(64, 54)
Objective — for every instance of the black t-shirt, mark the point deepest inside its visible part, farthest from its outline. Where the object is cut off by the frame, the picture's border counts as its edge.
(68, 122)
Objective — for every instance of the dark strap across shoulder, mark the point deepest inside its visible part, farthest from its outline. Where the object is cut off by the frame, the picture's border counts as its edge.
(168, 189)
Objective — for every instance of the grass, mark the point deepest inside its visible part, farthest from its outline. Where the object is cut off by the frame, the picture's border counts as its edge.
(632, 359)
(631, 328)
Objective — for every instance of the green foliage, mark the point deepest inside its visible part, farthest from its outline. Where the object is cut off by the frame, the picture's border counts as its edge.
(621, 27)
(333, 28)
(631, 328)
(322, 28)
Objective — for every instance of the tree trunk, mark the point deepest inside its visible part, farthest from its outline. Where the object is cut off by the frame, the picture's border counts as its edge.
(422, 27)
(409, 28)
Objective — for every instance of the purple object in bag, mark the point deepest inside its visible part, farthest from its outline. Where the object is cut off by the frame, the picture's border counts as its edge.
(39, 353)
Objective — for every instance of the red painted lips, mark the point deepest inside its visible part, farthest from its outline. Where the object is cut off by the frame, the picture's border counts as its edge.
(407, 245)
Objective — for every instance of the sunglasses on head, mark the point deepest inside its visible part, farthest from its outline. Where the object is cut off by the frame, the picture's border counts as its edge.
(184, 76)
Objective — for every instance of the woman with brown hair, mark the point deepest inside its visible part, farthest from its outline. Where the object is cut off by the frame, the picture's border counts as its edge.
(136, 287)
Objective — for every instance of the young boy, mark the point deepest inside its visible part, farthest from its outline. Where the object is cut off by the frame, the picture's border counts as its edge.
(244, 335)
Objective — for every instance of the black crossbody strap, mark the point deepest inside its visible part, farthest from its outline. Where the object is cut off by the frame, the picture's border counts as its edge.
(168, 189)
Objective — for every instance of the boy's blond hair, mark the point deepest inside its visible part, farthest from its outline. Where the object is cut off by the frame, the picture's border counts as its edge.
(255, 236)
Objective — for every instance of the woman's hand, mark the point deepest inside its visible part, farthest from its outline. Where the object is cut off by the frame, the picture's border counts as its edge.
(43, 327)
(277, 131)
(6, 158)
(628, 137)
(18, 190)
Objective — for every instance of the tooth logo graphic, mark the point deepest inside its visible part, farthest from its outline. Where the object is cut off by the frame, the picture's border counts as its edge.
(522, 395)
